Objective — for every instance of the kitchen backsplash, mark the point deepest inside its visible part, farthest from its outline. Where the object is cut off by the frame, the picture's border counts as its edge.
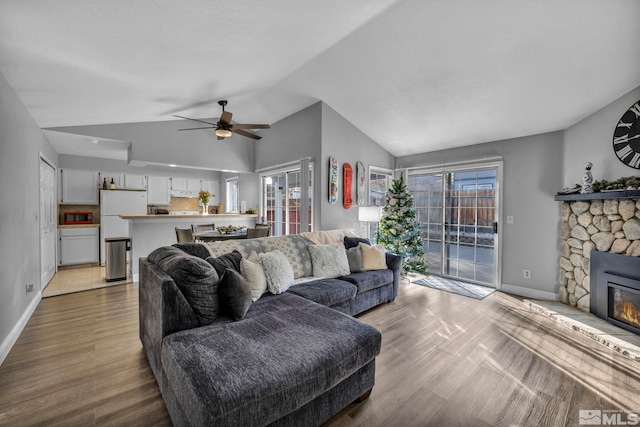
(187, 204)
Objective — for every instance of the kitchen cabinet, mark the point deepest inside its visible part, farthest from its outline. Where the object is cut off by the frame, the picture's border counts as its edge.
(79, 187)
(118, 179)
(212, 187)
(79, 245)
(135, 182)
(158, 190)
(185, 184)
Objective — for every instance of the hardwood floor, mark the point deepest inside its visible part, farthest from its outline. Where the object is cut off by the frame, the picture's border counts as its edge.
(68, 280)
(446, 360)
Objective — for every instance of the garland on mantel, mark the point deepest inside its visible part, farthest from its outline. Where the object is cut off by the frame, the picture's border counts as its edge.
(624, 183)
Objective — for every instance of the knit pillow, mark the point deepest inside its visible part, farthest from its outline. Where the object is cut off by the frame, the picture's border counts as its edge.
(277, 270)
(329, 260)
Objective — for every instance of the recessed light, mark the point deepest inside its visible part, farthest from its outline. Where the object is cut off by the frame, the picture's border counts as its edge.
(172, 165)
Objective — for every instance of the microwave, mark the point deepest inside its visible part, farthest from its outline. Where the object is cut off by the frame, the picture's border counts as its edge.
(78, 217)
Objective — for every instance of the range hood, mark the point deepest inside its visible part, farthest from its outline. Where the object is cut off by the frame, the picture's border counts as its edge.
(184, 193)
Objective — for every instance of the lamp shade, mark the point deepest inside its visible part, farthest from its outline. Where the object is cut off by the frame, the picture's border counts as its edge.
(369, 213)
(223, 133)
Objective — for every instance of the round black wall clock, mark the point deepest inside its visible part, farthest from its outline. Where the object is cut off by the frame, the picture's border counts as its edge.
(626, 137)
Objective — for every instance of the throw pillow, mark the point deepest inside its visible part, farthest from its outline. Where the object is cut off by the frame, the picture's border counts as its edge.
(329, 260)
(196, 279)
(251, 269)
(354, 255)
(277, 270)
(230, 260)
(352, 242)
(235, 294)
(373, 257)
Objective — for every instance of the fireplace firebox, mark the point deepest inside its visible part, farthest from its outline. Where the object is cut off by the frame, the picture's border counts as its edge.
(615, 289)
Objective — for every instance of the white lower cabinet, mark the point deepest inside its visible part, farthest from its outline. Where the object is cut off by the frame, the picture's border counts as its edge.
(79, 245)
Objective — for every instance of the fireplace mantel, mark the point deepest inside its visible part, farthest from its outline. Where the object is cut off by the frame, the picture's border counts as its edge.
(603, 195)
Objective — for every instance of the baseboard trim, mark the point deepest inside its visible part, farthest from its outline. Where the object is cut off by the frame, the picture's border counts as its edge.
(11, 339)
(529, 293)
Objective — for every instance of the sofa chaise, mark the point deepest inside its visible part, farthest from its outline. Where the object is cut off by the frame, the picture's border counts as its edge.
(295, 358)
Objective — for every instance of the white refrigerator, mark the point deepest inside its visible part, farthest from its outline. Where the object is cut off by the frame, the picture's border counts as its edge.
(114, 203)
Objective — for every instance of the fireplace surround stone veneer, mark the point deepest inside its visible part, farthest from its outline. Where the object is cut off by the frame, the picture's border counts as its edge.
(607, 225)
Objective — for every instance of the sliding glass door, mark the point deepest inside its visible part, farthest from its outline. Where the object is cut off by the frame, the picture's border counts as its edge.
(283, 203)
(458, 213)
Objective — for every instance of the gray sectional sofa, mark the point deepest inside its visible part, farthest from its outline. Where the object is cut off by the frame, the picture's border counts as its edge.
(295, 359)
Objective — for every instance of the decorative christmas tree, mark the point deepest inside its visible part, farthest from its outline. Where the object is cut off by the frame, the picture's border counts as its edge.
(399, 229)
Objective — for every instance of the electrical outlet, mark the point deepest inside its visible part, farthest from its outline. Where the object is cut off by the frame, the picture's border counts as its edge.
(509, 219)
(30, 287)
(526, 274)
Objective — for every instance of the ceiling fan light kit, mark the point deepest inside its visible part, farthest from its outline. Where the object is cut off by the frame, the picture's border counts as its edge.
(224, 128)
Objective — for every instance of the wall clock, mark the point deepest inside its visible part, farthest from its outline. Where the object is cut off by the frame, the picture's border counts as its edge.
(626, 137)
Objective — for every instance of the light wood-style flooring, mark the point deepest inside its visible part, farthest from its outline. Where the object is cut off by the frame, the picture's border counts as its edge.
(71, 279)
(446, 360)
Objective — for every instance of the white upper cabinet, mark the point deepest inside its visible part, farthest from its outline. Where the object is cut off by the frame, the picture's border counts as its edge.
(79, 187)
(135, 182)
(158, 190)
(212, 187)
(185, 184)
(117, 177)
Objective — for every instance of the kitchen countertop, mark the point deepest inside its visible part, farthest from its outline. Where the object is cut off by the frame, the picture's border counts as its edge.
(78, 225)
(178, 217)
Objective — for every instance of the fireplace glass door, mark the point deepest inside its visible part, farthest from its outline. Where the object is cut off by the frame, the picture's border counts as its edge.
(458, 214)
(624, 305)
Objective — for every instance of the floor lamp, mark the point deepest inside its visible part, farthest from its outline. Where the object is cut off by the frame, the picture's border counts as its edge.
(370, 214)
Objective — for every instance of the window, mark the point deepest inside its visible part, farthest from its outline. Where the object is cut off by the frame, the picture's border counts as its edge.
(232, 194)
(380, 180)
(287, 205)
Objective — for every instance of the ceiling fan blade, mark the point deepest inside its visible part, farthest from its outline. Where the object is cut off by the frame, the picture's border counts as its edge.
(245, 126)
(195, 120)
(226, 118)
(207, 127)
(247, 134)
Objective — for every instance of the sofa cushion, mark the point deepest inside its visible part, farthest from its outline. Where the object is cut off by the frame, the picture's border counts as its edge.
(352, 242)
(368, 280)
(329, 260)
(230, 260)
(293, 247)
(196, 279)
(327, 292)
(235, 294)
(286, 352)
(277, 270)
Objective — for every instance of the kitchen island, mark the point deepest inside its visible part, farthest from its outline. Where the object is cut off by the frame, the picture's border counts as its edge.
(149, 232)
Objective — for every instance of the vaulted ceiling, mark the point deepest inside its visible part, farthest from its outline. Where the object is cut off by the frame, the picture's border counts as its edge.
(414, 75)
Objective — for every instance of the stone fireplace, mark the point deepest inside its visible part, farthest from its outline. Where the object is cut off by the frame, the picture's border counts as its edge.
(605, 222)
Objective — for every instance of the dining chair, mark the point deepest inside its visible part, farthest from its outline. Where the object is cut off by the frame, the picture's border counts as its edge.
(196, 228)
(254, 233)
(266, 226)
(184, 235)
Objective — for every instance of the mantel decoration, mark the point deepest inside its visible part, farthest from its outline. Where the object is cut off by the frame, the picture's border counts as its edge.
(624, 183)
(203, 197)
(399, 229)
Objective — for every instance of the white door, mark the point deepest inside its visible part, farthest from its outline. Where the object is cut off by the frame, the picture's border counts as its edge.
(48, 221)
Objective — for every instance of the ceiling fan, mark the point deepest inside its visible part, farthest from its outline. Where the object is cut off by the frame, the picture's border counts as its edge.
(224, 128)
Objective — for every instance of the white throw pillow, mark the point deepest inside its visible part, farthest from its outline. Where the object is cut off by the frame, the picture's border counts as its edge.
(373, 257)
(277, 270)
(329, 260)
(251, 269)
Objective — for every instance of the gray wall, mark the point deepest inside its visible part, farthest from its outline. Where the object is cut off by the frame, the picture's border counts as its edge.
(591, 140)
(21, 141)
(348, 144)
(532, 175)
(161, 142)
(248, 188)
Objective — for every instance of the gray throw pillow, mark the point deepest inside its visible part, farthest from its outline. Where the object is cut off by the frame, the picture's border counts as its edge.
(235, 294)
(354, 255)
(277, 270)
(329, 260)
(196, 279)
(230, 260)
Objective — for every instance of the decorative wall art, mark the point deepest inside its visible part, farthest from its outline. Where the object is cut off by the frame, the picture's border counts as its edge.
(360, 184)
(347, 185)
(333, 180)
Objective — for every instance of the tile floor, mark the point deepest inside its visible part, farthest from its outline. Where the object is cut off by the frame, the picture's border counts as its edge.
(70, 280)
